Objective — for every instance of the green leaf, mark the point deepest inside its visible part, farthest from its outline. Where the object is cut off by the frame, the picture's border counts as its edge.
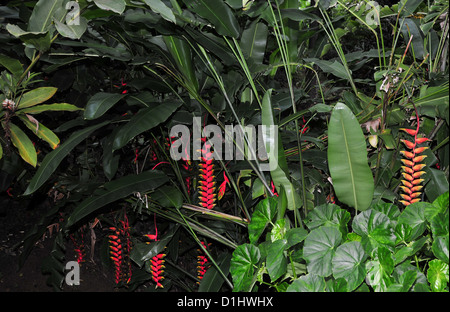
(243, 262)
(218, 13)
(43, 14)
(144, 120)
(335, 68)
(328, 215)
(279, 174)
(437, 183)
(14, 66)
(42, 132)
(407, 251)
(375, 230)
(116, 190)
(276, 261)
(117, 6)
(308, 283)
(168, 196)
(159, 7)
(253, 41)
(440, 204)
(349, 263)
(319, 249)
(72, 31)
(49, 107)
(295, 236)
(265, 212)
(54, 158)
(440, 247)
(414, 215)
(379, 271)
(39, 40)
(438, 275)
(36, 96)
(24, 145)
(347, 159)
(100, 103)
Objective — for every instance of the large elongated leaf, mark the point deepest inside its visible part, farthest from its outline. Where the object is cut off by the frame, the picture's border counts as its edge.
(43, 13)
(253, 41)
(212, 281)
(36, 96)
(13, 65)
(54, 158)
(347, 159)
(49, 107)
(99, 103)
(116, 190)
(42, 132)
(218, 13)
(117, 6)
(144, 120)
(279, 174)
(23, 144)
(158, 6)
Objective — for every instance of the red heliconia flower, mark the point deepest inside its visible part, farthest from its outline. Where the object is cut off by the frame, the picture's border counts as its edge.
(412, 169)
(202, 261)
(223, 186)
(79, 247)
(156, 267)
(207, 195)
(120, 249)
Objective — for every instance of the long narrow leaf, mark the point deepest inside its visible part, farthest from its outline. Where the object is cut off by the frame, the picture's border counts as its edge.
(36, 96)
(23, 144)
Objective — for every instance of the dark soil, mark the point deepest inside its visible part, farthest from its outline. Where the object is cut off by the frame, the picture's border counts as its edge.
(16, 218)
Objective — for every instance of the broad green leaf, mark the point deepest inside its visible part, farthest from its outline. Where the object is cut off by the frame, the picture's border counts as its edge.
(14, 66)
(265, 212)
(349, 263)
(319, 249)
(389, 209)
(440, 247)
(407, 251)
(43, 14)
(117, 6)
(42, 132)
(158, 6)
(279, 173)
(72, 31)
(117, 189)
(23, 144)
(100, 103)
(414, 215)
(49, 107)
(168, 196)
(375, 229)
(253, 41)
(379, 271)
(438, 275)
(212, 281)
(440, 204)
(295, 236)
(276, 260)
(328, 215)
(347, 159)
(144, 120)
(243, 262)
(36, 96)
(440, 224)
(405, 282)
(54, 158)
(437, 183)
(308, 283)
(335, 68)
(218, 13)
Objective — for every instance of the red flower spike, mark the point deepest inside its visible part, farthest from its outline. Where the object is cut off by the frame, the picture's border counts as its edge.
(412, 169)
(202, 262)
(207, 188)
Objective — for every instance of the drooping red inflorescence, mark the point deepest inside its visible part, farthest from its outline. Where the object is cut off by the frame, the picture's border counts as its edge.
(202, 261)
(207, 194)
(120, 249)
(79, 246)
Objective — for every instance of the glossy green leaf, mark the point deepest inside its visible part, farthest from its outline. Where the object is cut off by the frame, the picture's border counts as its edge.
(379, 271)
(49, 108)
(245, 258)
(440, 205)
(276, 260)
(295, 236)
(328, 215)
(36, 96)
(42, 132)
(43, 14)
(319, 249)
(23, 144)
(168, 196)
(349, 263)
(117, 6)
(218, 13)
(253, 41)
(54, 158)
(308, 283)
(347, 159)
(144, 120)
(212, 281)
(100, 103)
(414, 215)
(265, 212)
(14, 66)
(440, 247)
(438, 275)
(117, 189)
(279, 174)
(72, 30)
(159, 7)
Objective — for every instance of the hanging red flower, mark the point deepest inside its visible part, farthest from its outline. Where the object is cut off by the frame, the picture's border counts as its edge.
(202, 261)
(207, 195)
